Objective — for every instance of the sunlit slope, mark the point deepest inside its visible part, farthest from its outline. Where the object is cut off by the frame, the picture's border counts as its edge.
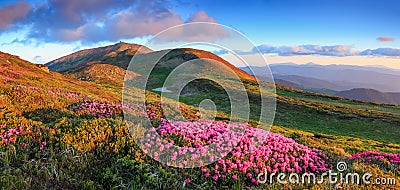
(296, 109)
(118, 54)
(26, 87)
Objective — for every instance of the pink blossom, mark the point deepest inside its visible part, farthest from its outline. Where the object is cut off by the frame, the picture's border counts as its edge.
(234, 177)
(215, 177)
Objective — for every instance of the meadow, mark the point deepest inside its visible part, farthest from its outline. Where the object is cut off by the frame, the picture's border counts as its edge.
(61, 133)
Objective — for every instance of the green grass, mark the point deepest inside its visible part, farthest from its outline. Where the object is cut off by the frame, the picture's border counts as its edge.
(323, 114)
(337, 101)
(85, 152)
(311, 120)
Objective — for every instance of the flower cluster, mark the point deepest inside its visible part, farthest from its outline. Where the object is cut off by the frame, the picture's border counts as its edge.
(246, 150)
(155, 111)
(52, 92)
(275, 153)
(102, 110)
(10, 135)
(378, 157)
(22, 96)
(31, 88)
(8, 74)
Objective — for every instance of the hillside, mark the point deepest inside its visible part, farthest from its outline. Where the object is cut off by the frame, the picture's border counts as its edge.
(371, 95)
(202, 61)
(99, 72)
(23, 74)
(119, 53)
(69, 132)
(110, 70)
(287, 83)
(313, 83)
(292, 105)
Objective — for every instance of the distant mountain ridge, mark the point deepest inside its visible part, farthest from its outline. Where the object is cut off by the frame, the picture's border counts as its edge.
(373, 83)
(371, 95)
(335, 77)
(314, 83)
(345, 77)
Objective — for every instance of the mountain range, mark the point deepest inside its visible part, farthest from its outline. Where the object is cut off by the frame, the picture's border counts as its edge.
(368, 83)
(371, 95)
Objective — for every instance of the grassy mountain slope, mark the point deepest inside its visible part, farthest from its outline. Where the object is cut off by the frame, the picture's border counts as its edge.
(80, 140)
(296, 109)
(99, 72)
(20, 74)
(119, 53)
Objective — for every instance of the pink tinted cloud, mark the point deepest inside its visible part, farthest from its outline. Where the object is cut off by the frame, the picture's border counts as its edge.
(91, 21)
(70, 35)
(13, 12)
(385, 39)
(121, 26)
(75, 10)
(201, 17)
(192, 32)
(340, 48)
(133, 24)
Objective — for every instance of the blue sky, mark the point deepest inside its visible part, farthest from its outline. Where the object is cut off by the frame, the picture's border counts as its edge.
(324, 22)
(297, 31)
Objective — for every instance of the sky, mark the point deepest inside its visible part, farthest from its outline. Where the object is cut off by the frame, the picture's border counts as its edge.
(356, 32)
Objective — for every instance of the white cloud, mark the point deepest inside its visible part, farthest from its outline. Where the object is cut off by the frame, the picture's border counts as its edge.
(382, 52)
(335, 50)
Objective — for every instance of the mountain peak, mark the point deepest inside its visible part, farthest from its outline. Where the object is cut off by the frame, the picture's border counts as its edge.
(121, 52)
(122, 46)
(311, 64)
(202, 54)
